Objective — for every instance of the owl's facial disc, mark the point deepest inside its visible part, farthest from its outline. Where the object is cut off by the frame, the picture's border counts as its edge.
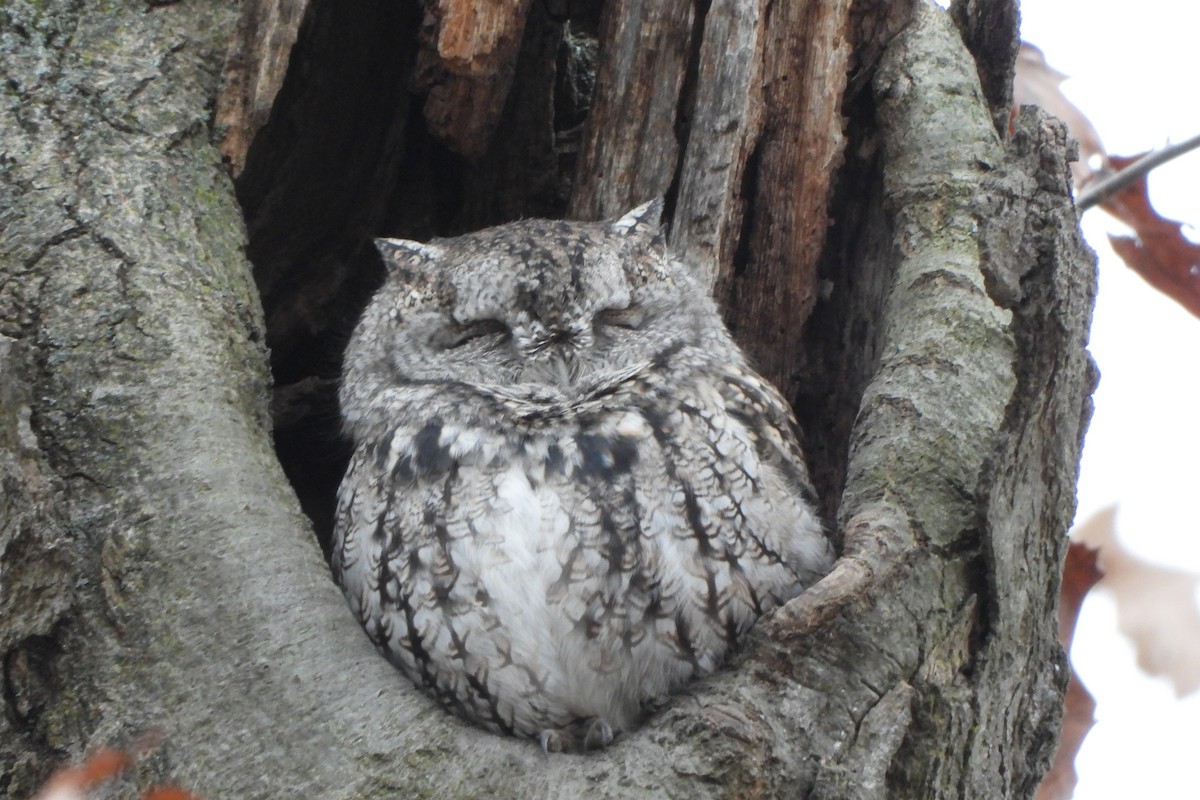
(552, 305)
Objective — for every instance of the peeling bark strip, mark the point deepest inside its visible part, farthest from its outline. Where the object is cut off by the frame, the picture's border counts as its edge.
(722, 130)
(471, 34)
(254, 70)
(735, 109)
(769, 293)
(924, 666)
(630, 147)
(468, 56)
(466, 64)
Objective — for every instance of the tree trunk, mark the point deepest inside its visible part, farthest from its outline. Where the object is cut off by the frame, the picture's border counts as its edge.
(911, 276)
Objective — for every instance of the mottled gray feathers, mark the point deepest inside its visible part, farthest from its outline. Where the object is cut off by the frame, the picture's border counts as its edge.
(570, 495)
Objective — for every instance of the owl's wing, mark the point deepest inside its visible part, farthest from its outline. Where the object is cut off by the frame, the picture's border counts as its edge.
(361, 530)
(761, 409)
(753, 472)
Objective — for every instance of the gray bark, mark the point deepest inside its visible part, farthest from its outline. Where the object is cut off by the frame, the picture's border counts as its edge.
(158, 573)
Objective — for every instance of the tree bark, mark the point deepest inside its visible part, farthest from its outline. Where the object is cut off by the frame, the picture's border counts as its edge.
(157, 570)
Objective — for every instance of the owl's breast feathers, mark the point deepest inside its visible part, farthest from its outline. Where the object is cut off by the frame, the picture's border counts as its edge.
(556, 559)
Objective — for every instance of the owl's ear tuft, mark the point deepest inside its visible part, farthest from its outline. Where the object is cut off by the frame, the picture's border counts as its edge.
(403, 255)
(643, 221)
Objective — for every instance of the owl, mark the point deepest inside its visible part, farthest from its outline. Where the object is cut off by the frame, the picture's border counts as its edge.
(569, 495)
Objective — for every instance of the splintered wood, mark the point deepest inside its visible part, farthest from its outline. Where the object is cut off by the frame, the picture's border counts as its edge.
(468, 56)
(254, 71)
(736, 109)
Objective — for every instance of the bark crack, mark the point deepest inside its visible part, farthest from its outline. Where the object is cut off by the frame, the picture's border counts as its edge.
(685, 106)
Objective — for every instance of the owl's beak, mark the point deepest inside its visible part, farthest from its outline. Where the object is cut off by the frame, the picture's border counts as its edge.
(554, 354)
(563, 366)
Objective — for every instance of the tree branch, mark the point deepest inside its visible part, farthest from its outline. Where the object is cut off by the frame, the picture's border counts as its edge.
(1098, 192)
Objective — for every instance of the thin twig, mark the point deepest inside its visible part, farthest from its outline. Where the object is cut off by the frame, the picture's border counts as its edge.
(1101, 190)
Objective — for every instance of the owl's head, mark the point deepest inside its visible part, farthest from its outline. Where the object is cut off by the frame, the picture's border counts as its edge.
(532, 303)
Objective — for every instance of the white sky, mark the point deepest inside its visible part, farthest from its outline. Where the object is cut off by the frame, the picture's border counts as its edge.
(1135, 72)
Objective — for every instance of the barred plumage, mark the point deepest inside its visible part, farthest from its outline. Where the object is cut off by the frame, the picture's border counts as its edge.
(569, 495)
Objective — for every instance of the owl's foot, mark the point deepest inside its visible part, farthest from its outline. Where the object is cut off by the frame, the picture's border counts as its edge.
(593, 733)
(599, 734)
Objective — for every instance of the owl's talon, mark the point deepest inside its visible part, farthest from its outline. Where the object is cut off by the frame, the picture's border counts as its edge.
(551, 740)
(587, 734)
(599, 735)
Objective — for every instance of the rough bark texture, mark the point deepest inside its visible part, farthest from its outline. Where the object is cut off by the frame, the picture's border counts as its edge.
(770, 288)
(35, 570)
(175, 584)
(640, 81)
(732, 110)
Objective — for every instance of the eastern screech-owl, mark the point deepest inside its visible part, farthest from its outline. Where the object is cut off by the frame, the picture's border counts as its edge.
(569, 493)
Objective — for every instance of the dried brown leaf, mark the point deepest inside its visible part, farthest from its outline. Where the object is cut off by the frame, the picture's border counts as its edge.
(1158, 251)
(1156, 606)
(1078, 718)
(1080, 574)
(167, 793)
(76, 781)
